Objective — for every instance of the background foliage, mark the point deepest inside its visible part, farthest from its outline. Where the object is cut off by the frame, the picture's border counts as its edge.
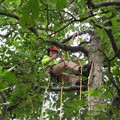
(26, 30)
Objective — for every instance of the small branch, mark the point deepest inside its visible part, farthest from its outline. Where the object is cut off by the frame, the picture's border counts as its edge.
(43, 3)
(4, 109)
(33, 31)
(2, 1)
(110, 76)
(77, 34)
(62, 28)
(118, 52)
(17, 18)
(111, 37)
(84, 42)
(113, 42)
(10, 108)
(9, 15)
(71, 2)
(7, 35)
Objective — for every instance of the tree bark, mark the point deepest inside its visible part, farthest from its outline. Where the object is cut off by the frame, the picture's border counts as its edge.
(96, 73)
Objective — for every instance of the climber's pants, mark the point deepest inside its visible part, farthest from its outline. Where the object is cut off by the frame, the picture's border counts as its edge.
(65, 65)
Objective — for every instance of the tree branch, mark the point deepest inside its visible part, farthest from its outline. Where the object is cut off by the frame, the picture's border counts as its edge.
(102, 4)
(118, 52)
(10, 15)
(65, 89)
(4, 109)
(17, 18)
(113, 43)
(70, 48)
(33, 31)
(12, 107)
(77, 34)
(110, 76)
(2, 1)
(62, 28)
(111, 37)
(52, 89)
(7, 35)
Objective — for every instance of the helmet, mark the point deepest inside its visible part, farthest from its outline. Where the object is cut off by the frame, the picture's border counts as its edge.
(54, 48)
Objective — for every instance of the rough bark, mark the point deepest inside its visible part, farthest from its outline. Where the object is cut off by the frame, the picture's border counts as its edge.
(96, 73)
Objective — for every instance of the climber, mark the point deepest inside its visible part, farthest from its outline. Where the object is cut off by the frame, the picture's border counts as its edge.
(56, 69)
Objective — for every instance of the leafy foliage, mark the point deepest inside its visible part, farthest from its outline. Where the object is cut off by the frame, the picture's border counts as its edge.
(26, 28)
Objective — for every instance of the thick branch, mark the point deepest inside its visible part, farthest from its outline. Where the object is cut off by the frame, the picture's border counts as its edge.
(102, 4)
(53, 89)
(70, 48)
(65, 89)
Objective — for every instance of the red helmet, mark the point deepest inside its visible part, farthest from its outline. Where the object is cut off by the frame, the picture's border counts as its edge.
(54, 48)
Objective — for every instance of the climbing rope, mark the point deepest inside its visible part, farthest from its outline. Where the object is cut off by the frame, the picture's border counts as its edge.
(80, 78)
(66, 55)
(43, 103)
(61, 97)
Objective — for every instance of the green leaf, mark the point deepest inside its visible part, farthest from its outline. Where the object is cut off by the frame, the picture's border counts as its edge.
(30, 13)
(0, 69)
(95, 92)
(61, 4)
(100, 32)
(0, 112)
(53, 3)
(10, 78)
(7, 71)
(114, 22)
(3, 86)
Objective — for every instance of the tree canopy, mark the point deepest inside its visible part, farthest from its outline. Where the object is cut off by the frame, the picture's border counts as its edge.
(28, 28)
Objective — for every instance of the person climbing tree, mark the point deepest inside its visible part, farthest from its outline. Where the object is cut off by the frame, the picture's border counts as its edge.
(56, 69)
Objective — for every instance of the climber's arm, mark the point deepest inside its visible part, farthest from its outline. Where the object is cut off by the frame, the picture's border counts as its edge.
(49, 60)
(46, 60)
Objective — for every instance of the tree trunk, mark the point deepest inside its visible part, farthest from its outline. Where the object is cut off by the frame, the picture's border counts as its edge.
(96, 73)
